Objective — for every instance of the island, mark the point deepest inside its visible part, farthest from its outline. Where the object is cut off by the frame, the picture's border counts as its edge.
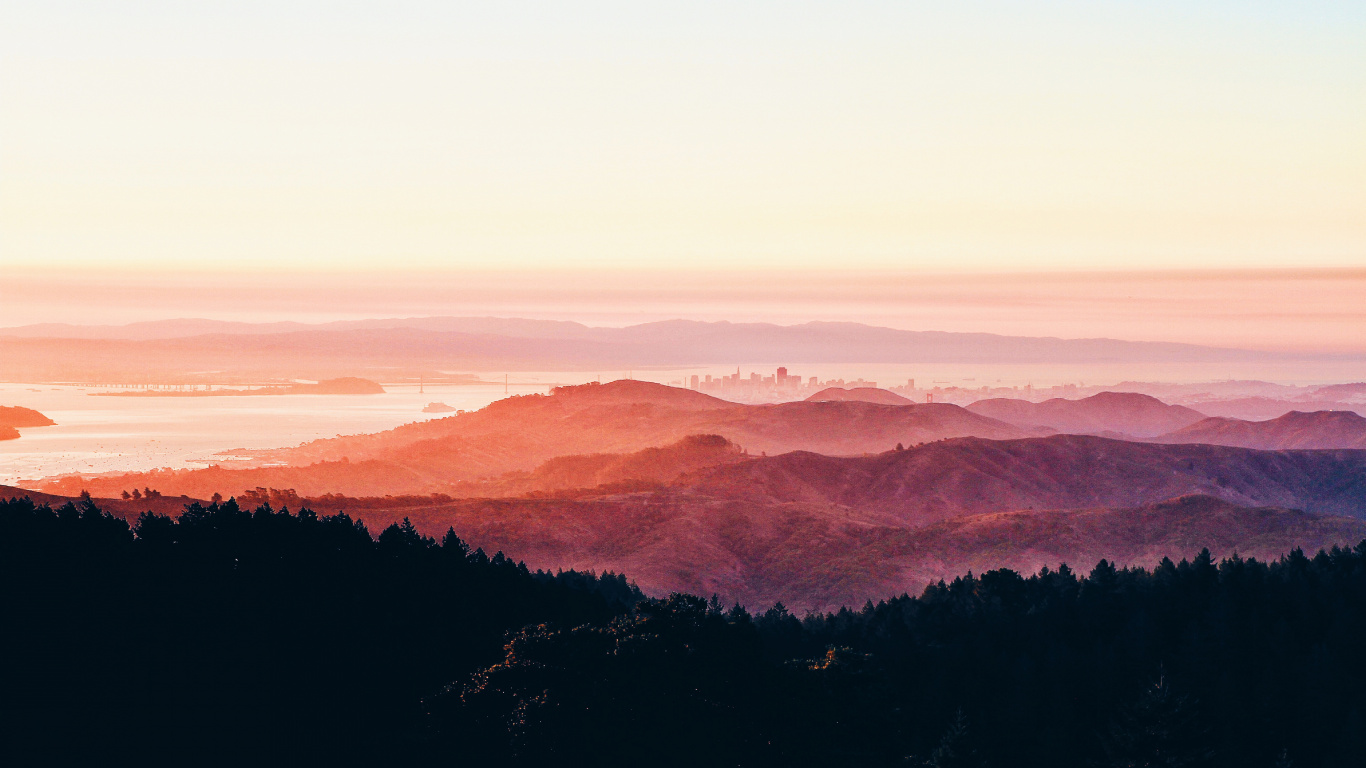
(438, 408)
(12, 417)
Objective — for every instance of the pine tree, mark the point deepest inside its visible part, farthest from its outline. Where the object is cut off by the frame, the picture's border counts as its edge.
(1159, 730)
(957, 749)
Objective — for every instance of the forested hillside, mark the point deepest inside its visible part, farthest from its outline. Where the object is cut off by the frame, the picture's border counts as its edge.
(269, 637)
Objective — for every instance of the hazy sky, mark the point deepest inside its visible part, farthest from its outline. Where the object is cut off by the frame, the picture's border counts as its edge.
(625, 161)
(426, 135)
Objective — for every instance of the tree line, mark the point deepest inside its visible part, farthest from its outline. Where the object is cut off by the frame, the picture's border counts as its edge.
(227, 635)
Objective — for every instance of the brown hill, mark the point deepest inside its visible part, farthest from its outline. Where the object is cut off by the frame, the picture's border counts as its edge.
(1320, 429)
(520, 433)
(1118, 413)
(858, 394)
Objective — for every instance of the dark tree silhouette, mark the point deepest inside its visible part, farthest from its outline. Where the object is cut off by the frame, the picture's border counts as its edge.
(957, 748)
(227, 635)
(1160, 730)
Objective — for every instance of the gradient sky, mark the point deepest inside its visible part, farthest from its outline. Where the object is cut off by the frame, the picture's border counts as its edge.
(436, 138)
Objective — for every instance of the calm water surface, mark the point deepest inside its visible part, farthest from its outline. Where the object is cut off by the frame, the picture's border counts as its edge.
(109, 434)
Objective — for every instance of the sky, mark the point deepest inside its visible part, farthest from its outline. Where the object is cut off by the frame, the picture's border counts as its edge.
(646, 147)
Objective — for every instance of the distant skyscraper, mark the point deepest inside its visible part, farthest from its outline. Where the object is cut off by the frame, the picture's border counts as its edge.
(694, 381)
(782, 376)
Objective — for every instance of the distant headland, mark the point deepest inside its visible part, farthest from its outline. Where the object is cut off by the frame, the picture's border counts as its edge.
(12, 417)
(349, 385)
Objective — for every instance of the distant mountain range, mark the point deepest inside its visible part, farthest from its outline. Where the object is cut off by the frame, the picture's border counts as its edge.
(329, 350)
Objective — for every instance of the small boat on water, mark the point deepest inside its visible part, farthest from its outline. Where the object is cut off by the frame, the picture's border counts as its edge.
(438, 408)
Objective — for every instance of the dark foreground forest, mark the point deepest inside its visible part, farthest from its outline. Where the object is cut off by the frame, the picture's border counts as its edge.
(274, 638)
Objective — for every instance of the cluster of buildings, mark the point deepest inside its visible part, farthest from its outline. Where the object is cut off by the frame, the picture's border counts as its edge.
(968, 395)
(782, 386)
(756, 387)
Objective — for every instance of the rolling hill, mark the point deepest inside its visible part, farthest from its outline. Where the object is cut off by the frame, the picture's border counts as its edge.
(858, 394)
(1297, 429)
(1116, 413)
(520, 433)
